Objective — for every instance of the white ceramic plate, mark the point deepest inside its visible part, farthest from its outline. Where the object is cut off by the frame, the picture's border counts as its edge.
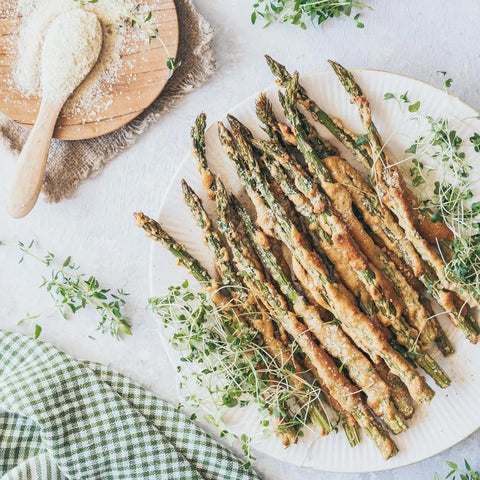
(454, 413)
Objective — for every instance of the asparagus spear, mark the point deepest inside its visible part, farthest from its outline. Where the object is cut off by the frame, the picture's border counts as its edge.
(339, 386)
(360, 328)
(417, 225)
(257, 319)
(197, 135)
(154, 231)
(388, 230)
(335, 342)
(348, 422)
(212, 238)
(406, 335)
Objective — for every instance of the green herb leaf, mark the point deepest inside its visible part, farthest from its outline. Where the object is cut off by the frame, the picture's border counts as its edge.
(297, 12)
(475, 139)
(72, 290)
(37, 331)
(414, 107)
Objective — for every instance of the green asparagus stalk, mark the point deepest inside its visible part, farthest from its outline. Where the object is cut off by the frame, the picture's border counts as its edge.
(199, 152)
(222, 257)
(338, 385)
(335, 342)
(349, 424)
(395, 194)
(358, 326)
(154, 231)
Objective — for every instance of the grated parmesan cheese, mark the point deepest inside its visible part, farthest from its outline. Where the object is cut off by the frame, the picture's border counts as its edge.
(95, 93)
(70, 50)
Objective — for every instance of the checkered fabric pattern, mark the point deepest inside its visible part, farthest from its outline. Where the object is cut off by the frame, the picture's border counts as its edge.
(65, 419)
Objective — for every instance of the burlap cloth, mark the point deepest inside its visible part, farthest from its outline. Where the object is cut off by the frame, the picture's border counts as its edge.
(70, 163)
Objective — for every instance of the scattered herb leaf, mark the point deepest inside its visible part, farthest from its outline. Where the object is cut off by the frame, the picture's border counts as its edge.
(414, 107)
(458, 473)
(72, 291)
(298, 12)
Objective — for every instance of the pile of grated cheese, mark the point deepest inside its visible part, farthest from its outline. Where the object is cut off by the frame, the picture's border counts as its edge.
(71, 48)
(95, 94)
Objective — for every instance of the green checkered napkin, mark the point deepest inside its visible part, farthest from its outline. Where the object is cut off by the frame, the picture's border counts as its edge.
(64, 419)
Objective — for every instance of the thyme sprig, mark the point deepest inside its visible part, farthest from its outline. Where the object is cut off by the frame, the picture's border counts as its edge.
(235, 368)
(297, 12)
(71, 291)
(458, 473)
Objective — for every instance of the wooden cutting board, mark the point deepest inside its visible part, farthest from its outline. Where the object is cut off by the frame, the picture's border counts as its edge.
(141, 77)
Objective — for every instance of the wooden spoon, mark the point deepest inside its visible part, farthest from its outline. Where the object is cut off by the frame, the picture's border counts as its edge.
(70, 50)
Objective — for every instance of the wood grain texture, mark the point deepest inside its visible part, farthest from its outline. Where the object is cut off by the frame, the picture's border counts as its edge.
(141, 77)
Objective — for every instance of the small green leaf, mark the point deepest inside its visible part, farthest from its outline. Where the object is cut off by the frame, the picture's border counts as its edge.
(412, 149)
(414, 107)
(38, 331)
(171, 64)
(404, 97)
(388, 96)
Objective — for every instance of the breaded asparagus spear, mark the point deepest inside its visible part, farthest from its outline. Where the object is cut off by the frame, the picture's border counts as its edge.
(357, 325)
(363, 152)
(336, 382)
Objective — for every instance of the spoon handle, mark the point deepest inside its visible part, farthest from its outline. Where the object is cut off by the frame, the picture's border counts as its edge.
(30, 166)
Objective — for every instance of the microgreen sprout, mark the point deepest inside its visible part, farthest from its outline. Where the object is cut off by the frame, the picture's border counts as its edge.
(72, 291)
(224, 363)
(297, 12)
(439, 163)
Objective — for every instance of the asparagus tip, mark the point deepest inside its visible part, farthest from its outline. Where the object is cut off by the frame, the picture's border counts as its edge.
(140, 218)
(234, 121)
(186, 189)
(198, 128)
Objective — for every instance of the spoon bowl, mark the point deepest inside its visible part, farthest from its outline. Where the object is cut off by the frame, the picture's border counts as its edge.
(71, 48)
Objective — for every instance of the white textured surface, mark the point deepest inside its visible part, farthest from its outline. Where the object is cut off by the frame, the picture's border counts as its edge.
(96, 227)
